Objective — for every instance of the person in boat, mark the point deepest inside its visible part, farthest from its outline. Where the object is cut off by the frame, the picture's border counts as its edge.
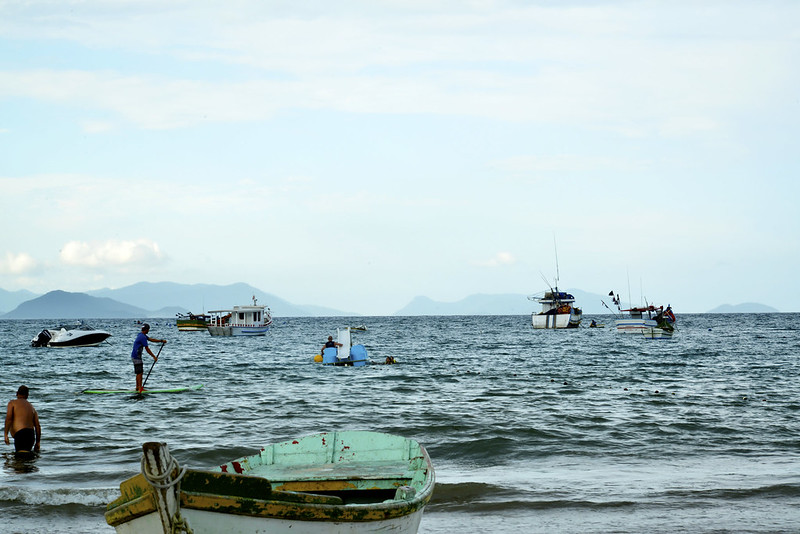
(139, 345)
(594, 324)
(22, 422)
(330, 343)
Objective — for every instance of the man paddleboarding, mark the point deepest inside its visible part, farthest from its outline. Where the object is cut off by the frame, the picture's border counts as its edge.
(22, 422)
(139, 345)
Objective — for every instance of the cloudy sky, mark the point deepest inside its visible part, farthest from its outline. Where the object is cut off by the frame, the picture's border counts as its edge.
(357, 154)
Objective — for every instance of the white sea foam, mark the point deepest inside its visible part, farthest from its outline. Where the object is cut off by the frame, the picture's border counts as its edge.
(59, 496)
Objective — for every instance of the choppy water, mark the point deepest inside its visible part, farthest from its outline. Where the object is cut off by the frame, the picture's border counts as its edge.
(535, 431)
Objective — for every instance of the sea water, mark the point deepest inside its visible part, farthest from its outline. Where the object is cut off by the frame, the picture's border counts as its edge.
(585, 430)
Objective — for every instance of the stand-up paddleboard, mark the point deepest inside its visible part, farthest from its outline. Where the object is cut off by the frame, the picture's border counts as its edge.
(145, 392)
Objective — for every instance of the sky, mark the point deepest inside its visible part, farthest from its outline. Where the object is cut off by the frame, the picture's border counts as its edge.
(357, 154)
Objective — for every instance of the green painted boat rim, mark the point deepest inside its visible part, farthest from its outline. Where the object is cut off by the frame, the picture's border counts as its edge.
(145, 392)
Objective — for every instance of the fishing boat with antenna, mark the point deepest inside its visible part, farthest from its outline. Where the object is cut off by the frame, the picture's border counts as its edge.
(650, 321)
(558, 310)
(252, 320)
(558, 307)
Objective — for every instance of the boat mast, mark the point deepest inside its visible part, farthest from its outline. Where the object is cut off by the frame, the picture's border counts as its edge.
(555, 249)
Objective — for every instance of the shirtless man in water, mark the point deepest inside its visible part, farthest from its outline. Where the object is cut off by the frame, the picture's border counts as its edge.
(23, 423)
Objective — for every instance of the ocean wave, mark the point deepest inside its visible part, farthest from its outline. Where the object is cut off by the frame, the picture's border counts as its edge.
(58, 496)
(477, 497)
(772, 491)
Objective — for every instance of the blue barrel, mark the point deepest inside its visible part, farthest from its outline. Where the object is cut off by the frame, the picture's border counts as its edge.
(358, 355)
(329, 355)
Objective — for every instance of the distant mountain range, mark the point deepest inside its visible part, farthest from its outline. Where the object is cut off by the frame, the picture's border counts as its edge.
(151, 300)
(747, 307)
(165, 299)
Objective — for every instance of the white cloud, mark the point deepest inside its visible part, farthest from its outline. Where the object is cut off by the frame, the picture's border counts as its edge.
(111, 253)
(601, 67)
(96, 127)
(499, 259)
(16, 264)
(569, 162)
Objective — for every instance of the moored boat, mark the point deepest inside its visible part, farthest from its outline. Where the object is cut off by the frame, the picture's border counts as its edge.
(78, 334)
(558, 307)
(332, 482)
(654, 322)
(558, 310)
(252, 320)
(189, 322)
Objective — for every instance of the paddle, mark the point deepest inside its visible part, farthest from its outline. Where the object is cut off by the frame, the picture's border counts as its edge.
(154, 364)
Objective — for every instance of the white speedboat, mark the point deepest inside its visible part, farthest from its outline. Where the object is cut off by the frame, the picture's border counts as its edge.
(252, 320)
(78, 334)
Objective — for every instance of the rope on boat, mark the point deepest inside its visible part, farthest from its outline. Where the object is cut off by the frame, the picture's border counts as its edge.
(179, 524)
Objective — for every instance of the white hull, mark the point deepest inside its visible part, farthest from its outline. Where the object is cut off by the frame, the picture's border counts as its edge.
(204, 522)
(228, 331)
(74, 337)
(656, 333)
(634, 325)
(560, 320)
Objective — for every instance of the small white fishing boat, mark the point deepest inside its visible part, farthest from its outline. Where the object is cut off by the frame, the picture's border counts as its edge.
(650, 321)
(558, 310)
(558, 307)
(347, 482)
(252, 320)
(78, 334)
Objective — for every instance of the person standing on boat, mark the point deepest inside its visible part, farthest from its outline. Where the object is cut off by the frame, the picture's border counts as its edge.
(22, 422)
(139, 345)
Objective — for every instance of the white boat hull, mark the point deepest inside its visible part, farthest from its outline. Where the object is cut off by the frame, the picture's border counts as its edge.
(204, 522)
(228, 331)
(556, 320)
(634, 325)
(656, 333)
(70, 338)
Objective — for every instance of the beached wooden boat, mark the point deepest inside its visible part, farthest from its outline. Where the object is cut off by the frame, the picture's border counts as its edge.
(333, 482)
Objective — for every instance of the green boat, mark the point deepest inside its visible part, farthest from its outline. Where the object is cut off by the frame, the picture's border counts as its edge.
(333, 482)
(190, 322)
(145, 392)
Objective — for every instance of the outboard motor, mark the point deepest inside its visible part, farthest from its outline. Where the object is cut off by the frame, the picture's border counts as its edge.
(42, 339)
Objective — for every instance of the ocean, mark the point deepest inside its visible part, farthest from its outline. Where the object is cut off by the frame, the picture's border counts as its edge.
(585, 431)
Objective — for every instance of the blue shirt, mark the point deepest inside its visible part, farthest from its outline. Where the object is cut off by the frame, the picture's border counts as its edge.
(138, 346)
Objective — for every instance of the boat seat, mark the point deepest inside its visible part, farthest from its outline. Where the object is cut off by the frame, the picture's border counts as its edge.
(198, 483)
(336, 476)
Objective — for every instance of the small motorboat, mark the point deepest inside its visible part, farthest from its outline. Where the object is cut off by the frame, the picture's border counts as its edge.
(189, 322)
(77, 334)
(347, 482)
